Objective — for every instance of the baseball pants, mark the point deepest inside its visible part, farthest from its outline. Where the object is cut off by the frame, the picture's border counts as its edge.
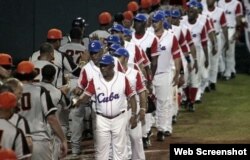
(42, 150)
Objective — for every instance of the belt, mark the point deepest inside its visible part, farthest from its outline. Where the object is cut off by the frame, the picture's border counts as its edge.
(110, 117)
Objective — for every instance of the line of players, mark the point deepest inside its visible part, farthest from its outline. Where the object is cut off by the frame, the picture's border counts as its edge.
(164, 55)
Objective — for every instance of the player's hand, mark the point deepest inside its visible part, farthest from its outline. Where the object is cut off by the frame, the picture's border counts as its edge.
(65, 89)
(141, 115)
(195, 66)
(133, 122)
(77, 91)
(175, 80)
(64, 149)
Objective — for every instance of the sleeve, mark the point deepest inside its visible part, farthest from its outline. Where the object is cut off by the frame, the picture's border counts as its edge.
(238, 11)
(154, 48)
(189, 38)
(21, 147)
(138, 55)
(223, 21)
(47, 103)
(70, 66)
(129, 92)
(90, 89)
(146, 61)
(119, 67)
(139, 83)
(183, 43)
(208, 26)
(204, 36)
(175, 48)
(83, 79)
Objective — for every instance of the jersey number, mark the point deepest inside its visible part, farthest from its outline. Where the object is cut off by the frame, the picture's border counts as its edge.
(1, 135)
(25, 101)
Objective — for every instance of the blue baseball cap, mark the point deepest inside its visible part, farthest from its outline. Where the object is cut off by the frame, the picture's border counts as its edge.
(117, 28)
(114, 47)
(199, 5)
(122, 52)
(140, 18)
(158, 16)
(113, 39)
(167, 25)
(167, 13)
(107, 59)
(127, 32)
(95, 46)
(176, 13)
(192, 4)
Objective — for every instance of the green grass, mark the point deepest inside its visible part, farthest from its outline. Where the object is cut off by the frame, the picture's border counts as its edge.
(224, 114)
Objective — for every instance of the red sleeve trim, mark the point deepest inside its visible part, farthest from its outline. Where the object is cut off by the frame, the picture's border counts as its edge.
(139, 84)
(90, 89)
(154, 48)
(128, 90)
(84, 80)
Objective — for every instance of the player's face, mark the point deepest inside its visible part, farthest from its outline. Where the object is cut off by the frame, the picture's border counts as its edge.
(139, 26)
(127, 23)
(157, 25)
(210, 3)
(192, 13)
(106, 70)
(95, 57)
(175, 21)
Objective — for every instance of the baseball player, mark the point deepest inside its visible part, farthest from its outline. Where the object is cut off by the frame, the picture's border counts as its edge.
(232, 9)
(75, 48)
(38, 109)
(128, 19)
(78, 22)
(164, 77)
(135, 145)
(10, 136)
(5, 66)
(59, 100)
(105, 20)
(111, 89)
(220, 25)
(63, 61)
(16, 119)
(199, 36)
(149, 44)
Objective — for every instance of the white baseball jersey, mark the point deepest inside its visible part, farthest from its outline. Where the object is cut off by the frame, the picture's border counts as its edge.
(147, 42)
(207, 21)
(58, 80)
(61, 60)
(21, 123)
(134, 52)
(232, 10)
(169, 50)
(13, 138)
(218, 17)
(187, 34)
(111, 97)
(74, 50)
(36, 105)
(177, 30)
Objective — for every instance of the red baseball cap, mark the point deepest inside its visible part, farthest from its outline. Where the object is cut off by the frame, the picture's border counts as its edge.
(133, 6)
(7, 100)
(25, 67)
(146, 4)
(105, 18)
(54, 33)
(128, 15)
(155, 2)
(5, 59)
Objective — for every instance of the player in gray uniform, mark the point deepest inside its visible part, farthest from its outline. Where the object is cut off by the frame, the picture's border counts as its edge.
(59, 100)
(37, 107)
(10, 136)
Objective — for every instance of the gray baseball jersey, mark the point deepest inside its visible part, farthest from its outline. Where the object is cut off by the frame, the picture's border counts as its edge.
(21, 123)
(13, 138)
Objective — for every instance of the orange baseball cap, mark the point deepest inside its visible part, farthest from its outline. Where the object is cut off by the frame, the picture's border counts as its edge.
(155, 2)
(146, 4)
(7, 100)
(105, 18)
(25, 67)
(5, 59)
(54, 33)
(128, 15)
(133, 6)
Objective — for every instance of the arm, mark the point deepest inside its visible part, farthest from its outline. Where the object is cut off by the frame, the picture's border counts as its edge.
(193, 53)
(55, 125)
(133, 118)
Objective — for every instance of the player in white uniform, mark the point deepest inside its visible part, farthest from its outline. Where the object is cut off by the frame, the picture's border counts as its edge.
(135, 145)
(59, 100)
(10, 136)
(148, 42)
(111, 89)
(164, 77)
(63, 61)
(38, 109)
(232, 9)
(199, 36)
(220, 25)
